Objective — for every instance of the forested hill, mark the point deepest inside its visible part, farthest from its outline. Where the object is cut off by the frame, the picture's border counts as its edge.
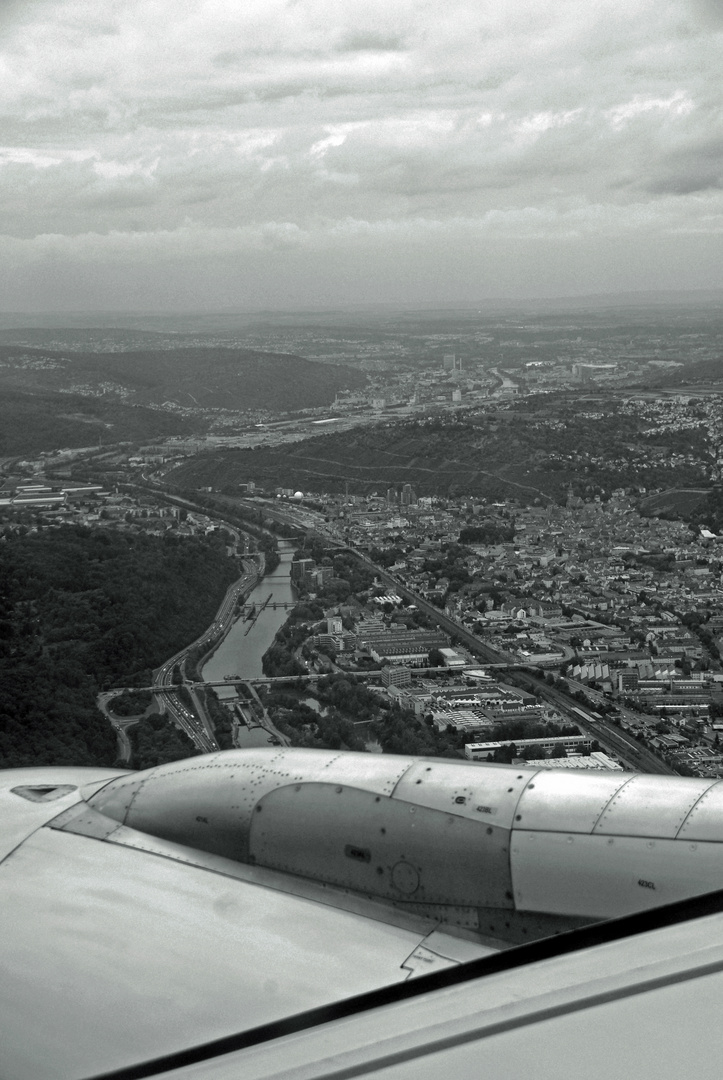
(33, 422)
(82, 610)
(193, 377)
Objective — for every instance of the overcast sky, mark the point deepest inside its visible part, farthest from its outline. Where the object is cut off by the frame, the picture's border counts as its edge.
(208, 154)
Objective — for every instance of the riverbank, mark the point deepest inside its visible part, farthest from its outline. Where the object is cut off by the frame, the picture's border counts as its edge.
(240, 651)
(255, 568)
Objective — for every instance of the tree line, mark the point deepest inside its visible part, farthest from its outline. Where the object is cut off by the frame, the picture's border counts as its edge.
(85, 609)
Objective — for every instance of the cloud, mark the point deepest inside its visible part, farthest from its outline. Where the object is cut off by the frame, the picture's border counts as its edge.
(710, 12)
(273, 126)
(695, 168)
(678, 104)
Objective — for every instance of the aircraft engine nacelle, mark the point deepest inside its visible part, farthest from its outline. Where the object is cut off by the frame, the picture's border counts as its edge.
(505, 851)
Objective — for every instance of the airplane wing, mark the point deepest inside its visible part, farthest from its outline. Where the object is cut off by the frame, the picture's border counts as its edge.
(118, 946)
(265, 913)
(633, 997)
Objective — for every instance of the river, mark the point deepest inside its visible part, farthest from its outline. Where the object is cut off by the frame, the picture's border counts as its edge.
(241, 650)
(240, 653)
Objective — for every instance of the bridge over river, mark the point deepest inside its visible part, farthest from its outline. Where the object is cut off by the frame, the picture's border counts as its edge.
(372, 674)
(249, 609)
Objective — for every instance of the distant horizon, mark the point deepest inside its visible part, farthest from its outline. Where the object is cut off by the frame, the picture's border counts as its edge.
(601, 299)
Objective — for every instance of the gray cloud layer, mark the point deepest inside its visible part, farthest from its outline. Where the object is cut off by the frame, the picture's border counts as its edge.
(216, 153)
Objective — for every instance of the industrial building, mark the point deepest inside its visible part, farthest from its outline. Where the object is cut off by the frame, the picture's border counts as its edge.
(568, 743)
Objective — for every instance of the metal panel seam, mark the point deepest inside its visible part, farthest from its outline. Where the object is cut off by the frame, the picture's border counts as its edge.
(521, 795)
(605, 836)
(134, 796)
(399, 780)
(610, 800)
(17, 847)
(700, 797)
(510, 875)
(103, 786)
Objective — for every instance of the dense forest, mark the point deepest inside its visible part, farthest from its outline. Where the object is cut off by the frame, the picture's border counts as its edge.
(155, 741)
(85, 609)
(709, 512)
(35, 421)
(196, 377)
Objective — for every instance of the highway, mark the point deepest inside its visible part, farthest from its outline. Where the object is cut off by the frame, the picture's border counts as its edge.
(170, 702)
(197, 725)
(195, 722)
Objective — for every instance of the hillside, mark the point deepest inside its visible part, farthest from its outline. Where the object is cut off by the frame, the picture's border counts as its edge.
(85, 609)
(195, 377)
(33, 422)
(529, 453)
(699, 373)
(682, 503)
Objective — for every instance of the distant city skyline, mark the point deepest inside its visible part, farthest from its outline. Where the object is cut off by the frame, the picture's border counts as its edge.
(209, 155)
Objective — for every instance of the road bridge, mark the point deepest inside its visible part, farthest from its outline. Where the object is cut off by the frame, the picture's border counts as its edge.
(312, 676)
(273, 604)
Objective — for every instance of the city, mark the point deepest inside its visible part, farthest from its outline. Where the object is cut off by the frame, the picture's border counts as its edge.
(361, 540)
(607, 605)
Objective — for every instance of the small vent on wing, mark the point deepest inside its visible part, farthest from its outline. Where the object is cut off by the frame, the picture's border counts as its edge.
(44, 793)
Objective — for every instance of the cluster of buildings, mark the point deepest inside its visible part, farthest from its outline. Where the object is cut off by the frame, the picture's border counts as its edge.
(37, 496)
(305, 574)
(475, 704)
(379, 640)
(456, 696)
(394, 643)
(49, 504)
(628, 605)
